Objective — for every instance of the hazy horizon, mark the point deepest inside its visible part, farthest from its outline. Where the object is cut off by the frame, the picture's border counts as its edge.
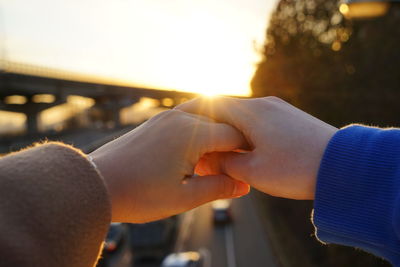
(200, 45)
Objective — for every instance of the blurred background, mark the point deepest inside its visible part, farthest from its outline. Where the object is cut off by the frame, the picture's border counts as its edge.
(85, 72)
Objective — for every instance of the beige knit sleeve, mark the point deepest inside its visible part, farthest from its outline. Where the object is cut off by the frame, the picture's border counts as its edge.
(54, 208)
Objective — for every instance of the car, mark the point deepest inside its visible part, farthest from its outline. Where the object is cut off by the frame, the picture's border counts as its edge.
(115, 245)
(183, 259)
(222, 213)
(152, 241)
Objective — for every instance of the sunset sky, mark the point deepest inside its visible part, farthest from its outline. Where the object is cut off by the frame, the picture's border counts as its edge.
(205, 46)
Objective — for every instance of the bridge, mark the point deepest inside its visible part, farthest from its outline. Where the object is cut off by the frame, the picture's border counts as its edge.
(110, 96)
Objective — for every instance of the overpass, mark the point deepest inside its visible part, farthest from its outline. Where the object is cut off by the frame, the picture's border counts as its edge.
(109, 95)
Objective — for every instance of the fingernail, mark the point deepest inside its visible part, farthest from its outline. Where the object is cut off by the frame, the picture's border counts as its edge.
(241, 189)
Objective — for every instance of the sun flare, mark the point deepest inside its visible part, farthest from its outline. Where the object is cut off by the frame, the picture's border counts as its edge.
(209, 94)
(205, 47)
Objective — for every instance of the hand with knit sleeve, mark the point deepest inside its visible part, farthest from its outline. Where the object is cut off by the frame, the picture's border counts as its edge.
(357, 200)
(357, 197)
(56, 205)
(149, 172)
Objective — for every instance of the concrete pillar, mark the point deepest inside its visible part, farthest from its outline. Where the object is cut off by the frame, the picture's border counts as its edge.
(32, 122)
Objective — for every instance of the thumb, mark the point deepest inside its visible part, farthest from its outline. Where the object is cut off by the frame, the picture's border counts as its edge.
(203, 189)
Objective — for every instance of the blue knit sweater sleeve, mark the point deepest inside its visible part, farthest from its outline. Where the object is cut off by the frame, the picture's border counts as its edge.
(357, 196)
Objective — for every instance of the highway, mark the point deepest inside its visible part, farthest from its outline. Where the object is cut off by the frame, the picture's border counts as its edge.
(242, 243)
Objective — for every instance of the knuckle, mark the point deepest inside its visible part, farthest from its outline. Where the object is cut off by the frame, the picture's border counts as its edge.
(169, 118)
(173, 113)
(273, 99)
(159, 115)
(169, 114)
(266, 104)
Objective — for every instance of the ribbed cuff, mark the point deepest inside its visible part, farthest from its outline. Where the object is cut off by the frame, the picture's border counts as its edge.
(356, 201)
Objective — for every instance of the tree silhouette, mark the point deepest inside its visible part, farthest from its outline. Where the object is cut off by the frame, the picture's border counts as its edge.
(341, 71)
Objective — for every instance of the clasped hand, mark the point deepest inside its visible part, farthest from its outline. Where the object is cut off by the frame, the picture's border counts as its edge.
(229, 143)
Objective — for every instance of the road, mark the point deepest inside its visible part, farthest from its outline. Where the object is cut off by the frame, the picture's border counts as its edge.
(240, 244)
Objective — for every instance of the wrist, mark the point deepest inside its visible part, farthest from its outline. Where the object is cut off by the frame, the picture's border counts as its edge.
(324, 140)
(105, 172)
